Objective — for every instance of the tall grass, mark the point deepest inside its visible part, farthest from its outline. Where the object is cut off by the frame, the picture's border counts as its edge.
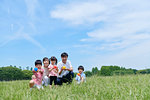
(96, 88)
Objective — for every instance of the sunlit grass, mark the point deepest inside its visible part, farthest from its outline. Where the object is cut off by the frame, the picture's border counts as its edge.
(96, 88)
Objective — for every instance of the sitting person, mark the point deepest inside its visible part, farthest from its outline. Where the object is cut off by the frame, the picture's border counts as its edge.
(37, 77)
(65, 70)
(80, 77)
(46, 63)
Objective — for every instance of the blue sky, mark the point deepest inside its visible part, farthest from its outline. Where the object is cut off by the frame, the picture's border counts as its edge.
(92, 32)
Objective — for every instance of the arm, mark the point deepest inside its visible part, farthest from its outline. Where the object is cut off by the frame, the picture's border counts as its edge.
(33, 71)
(56, 70)
(71, 68)
(61, 71)
(60, 68)
(83, 78)
(41, 71)
(50, 69)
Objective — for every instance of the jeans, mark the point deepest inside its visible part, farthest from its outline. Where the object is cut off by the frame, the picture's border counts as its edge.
(65, 79)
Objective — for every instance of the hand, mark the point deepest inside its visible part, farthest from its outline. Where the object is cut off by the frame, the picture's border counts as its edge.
(34, 71)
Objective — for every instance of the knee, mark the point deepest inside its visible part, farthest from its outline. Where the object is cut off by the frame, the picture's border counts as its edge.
(72, 73)
(31, 82)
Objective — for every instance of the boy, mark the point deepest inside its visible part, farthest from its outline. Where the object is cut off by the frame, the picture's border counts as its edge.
(80, 77)
(46, 63)
(65, 70)
(37, 77)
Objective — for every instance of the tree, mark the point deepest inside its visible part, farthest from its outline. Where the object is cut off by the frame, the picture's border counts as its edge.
(88, 73)
(108, 70)
(27, 74)
(95, 71)
(10, 73)
(31, 68)
(19, 67)
(27, 68)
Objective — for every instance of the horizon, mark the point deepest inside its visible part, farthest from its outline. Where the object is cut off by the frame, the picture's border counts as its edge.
(94, 33)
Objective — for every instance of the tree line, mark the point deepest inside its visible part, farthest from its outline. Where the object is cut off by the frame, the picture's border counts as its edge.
(13, 73)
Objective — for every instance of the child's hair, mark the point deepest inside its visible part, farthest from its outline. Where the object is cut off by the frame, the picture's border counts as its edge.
(38, 62)
(45, 58)
(53, 58)
(81, 67)
(64, 54)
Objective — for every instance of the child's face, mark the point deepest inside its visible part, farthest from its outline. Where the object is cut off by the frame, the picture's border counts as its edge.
(46, 63)
(53, 62)
(80, 71)
(38, 66)
(64, 59)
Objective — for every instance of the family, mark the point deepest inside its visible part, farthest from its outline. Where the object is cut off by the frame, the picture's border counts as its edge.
(51, 72)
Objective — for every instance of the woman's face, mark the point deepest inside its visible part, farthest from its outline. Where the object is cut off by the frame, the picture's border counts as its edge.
(46, 63)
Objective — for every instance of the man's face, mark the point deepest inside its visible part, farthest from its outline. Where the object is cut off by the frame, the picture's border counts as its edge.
(46, 63)
(80, 71)
(64, 59)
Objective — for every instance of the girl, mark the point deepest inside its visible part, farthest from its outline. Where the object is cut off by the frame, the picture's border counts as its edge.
(37, 77)
(53, 71)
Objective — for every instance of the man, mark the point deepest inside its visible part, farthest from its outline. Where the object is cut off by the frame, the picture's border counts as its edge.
(46, 63)
(65, 70)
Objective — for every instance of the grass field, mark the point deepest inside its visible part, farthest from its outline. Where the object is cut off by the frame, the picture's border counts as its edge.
(97, 88)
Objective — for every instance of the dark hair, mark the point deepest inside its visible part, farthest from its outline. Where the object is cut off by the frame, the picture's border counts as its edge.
(81, 67)
(64, 54)
(53, 58)
(45, 58)
(38, 62)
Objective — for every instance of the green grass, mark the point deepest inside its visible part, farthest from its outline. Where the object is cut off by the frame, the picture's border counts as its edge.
(97, 88)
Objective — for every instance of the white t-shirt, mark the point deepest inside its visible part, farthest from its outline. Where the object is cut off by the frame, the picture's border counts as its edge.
(46, 72)
(61, 64)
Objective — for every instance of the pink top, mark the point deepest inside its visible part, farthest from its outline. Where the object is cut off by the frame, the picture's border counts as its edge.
(53, 71)
(38, 75)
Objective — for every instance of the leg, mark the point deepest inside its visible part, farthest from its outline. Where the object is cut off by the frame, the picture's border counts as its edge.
(51, 80)
(59, 81)
(69, 77)
(46, 80)
(31, 83)
(55, 80)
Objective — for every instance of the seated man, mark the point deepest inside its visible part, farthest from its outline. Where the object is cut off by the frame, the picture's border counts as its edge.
(65, 70)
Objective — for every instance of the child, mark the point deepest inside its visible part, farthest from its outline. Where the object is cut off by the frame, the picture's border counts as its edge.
(37, 77)
(53, 71)
(46, 63)
(80, 77)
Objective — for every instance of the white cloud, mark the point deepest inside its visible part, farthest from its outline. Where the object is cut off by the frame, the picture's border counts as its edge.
(124, 27)
(80, 13)
(21, 35)
(31, 7)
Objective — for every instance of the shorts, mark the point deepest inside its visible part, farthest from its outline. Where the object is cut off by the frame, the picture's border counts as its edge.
(38, 86)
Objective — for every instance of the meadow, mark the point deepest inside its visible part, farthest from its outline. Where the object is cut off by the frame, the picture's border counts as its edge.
(133, 87)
